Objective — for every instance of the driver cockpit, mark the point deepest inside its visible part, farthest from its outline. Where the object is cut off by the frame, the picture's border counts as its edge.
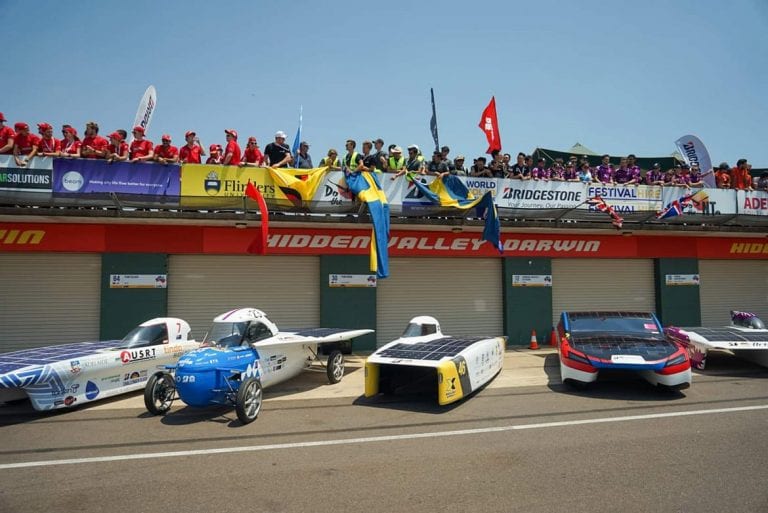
(422, 326)
(746, 320)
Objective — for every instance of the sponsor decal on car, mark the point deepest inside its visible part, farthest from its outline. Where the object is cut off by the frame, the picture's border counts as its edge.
(115, 378)
(91, 391)
(69, 400)
(75, 366)
(173, 350)
(137, 355)
(72, 389)
(189, 378)
(131, 378)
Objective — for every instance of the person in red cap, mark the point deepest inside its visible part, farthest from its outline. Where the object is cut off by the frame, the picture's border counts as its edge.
(232, 151)
(70, 146)
(118, 148)
(93, 146)
(165, 152)
(49, 145)
(6, 137)
(252, 155)
(216, 157)
(25, 144)
(140, 149)
(193, 151)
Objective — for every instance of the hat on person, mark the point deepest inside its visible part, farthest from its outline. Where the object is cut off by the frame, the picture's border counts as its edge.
(231, 131)
(280, 133)
(2, 117)
(656, 164)
(678, 164)
(481, 158)
(723, 165)
(367, 142)
(189, 132)
(115, 135)
(333, 151)
(165, 137)
(397, 149)
(304, 143)
(379, 140)
(21, 126)
(413, 147)
(252, 139)
(69, 130)
(214, 148)
(42, 127)
(460, 157)
(139, 129)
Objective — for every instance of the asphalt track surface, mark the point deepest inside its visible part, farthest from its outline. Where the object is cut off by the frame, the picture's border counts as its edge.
(525, 443)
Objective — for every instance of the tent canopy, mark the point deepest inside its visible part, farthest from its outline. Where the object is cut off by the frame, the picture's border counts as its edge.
(595, 159)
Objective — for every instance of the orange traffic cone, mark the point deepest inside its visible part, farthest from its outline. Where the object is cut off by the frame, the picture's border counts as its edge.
(534, 342)
(553, 338)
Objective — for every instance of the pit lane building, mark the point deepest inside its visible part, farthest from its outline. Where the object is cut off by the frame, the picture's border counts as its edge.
(87, 266)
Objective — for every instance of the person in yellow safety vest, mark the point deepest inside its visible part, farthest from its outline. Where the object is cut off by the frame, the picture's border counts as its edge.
(352, 160)
(414, 164)
(331, 161)
(396, 161)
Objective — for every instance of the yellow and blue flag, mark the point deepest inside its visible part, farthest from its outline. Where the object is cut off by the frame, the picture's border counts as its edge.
(449, 191)
(296, 186)
(367, 187)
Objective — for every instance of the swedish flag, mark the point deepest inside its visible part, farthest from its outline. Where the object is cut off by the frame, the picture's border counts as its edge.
(449, 191)
(367, 187)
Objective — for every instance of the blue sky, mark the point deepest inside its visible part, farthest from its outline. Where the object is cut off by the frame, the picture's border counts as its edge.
(618, 77)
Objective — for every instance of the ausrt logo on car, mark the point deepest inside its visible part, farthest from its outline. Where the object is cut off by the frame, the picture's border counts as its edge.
(137, 355)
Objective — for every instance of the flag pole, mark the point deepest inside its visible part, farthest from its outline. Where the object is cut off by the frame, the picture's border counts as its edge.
(433, 121)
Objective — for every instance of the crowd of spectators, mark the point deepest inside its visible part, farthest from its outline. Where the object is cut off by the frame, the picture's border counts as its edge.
(372, 157)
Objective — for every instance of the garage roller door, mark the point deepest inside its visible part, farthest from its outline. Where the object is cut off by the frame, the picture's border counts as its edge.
(580, 285)
(732, 285)
(200, 287)
(50, 298)
(463, 294)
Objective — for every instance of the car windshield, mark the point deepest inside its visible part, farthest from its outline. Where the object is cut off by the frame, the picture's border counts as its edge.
(639, 325)
(226, 334)
(145, 336)
(419, 330)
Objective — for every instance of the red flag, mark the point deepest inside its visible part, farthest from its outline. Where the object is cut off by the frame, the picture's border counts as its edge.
(490, 125)
(259, 244)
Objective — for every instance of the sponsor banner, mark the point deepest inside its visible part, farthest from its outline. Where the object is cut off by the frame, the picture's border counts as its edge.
(220, 240)
(715, 202)
(92, 176)
(138, 281)
(34, 177)
(206, 181)
(753, 203)
(146, 109)
(538, 194)
(695, 153)
(626, 199)
(352, 280)
(531, 280)
(681, 279)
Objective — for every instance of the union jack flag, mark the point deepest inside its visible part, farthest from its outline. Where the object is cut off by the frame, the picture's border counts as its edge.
(599, 203)
(675, 208)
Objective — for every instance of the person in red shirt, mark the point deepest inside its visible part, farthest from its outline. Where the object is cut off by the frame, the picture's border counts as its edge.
(165, 152)
(192, 152)
(232, 151)
(216, 152)
(118, 148)
(252, 155)
(93, 146)
(49, 145)
(6, 137)
(25, 145)
(740, 177)
(140, 149)
(70, 145)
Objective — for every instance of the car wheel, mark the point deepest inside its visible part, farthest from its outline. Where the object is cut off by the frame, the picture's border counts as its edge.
(335, 366)
(159, 393)
(248, 401)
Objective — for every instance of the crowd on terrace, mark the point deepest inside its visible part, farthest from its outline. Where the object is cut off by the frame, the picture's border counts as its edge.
(372, 157)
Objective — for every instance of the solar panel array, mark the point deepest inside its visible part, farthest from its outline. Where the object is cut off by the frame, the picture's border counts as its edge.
(10, 362)
(432, 350)
(730, 334)
(593, 315)
(608, 345)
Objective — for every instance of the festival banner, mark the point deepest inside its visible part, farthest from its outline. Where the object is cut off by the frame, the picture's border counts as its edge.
(93, 176)
(695, 153)
(626, 199)
(34, 177)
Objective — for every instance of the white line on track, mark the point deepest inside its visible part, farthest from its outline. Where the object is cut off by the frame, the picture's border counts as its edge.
(373, 439)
